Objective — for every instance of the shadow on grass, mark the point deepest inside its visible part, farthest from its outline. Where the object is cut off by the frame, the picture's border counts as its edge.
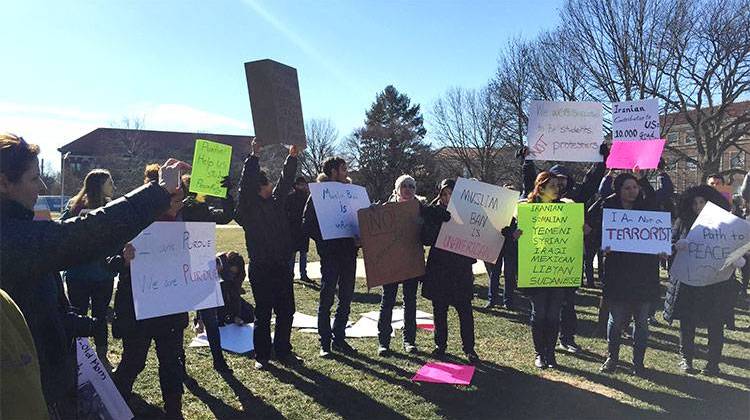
(142, 409)
(252, 406)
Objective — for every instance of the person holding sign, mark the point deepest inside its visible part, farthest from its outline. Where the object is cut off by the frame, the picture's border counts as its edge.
(338, 266)
(262, 214)
(404, 190)
(631, 280)
(694, 305)
(31, 256)
(449, 279)
(165, 331)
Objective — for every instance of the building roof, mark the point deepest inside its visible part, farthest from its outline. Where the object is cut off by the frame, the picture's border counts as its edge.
(99, 141)
(733, 110)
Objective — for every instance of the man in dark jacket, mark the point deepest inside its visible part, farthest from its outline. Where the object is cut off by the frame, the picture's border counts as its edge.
(261, 212)
(338, 265)
(295, 208)
(32, 253)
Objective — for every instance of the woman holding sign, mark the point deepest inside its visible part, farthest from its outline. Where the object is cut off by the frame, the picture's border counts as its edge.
(631, 281)
(449, 279)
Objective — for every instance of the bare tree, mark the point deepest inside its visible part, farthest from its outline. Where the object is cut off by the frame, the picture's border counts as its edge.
(322, 137)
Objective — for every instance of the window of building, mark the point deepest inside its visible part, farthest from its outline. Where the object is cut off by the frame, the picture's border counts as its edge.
(737, 160)
(672, 138)
(690, 138)
(691, 166)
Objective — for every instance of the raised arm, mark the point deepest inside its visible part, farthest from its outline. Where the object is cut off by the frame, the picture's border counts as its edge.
(310, 225)
(286, 181)
(247, 193)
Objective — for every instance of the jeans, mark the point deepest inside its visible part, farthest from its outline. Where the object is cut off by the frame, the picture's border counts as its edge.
(568, 316)
(545, 319)
(493, 272)
(273, 292)
(337, 273)
(465, 319)
(210, 320)
(387, 303)
(510, 272)
(134, 351)
(302, 263)
(98, 294)
(588, 266)
(620, 314)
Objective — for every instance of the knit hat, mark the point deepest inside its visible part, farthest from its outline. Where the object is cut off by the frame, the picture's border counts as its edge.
(403, 180)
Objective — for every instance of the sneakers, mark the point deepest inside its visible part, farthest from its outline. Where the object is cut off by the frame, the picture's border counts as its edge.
(342, 346)
(325, 351)
(290, 359)
(686, 366)
(570, 347)
(609, 366)
(438, 352)
(539, 362)
(261, 364)
(489, 305)
(552, 361)
(383, 351)
(711, 369)
(473, 357)
(410, 348)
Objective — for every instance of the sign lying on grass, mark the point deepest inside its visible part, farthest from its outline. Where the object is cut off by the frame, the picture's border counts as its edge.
(550, 250)
(635, 120)
(640, 232)
(174, 269)
(336, 206)
(479, 212)
(390, 240)
(716, 240)
(98, 398)
(211, 163)
(629, 154)
(565, 131)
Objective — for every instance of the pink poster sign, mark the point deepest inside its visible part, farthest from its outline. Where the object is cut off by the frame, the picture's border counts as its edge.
(644, 154)
(445, 373)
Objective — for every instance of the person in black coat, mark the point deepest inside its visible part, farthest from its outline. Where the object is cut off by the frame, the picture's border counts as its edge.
(449, 280)
(32, 253)
(236, 310)
(631, 280)
(262, 214)
(295, 210)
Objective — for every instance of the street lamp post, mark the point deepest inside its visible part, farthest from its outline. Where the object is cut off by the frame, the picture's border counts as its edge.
(62, 179)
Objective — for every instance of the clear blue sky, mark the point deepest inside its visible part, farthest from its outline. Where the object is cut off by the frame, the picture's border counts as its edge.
(73, 66)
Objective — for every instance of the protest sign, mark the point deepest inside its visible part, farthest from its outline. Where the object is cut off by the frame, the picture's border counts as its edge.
(211, 162)
(716, 239)
(336, 205)
(390, 242)
(644, 154)
(550, 250)
(445, 373)
(636, 231)
(98, 398)
(478, 211)
(635, 120)
(174, 269)
(274, 98)
(565, 131)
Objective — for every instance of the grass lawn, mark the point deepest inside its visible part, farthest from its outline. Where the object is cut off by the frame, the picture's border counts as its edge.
(506, 385)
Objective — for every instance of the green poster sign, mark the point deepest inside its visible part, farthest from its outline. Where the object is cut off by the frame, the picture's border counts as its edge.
(550, 250)
(210, 165)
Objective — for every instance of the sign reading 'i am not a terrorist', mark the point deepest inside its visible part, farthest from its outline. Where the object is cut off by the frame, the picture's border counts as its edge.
(550, 250)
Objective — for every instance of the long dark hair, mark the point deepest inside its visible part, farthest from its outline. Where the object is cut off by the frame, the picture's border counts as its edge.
(541, 181)
(90, 196)
(709, 193)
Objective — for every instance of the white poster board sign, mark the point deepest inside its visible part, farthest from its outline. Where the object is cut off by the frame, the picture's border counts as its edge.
(336, 206)
(174, 269)
(636, 231)
(635, 120)
(98, 398)
(716, 240)
(565, 131)
(478, 211)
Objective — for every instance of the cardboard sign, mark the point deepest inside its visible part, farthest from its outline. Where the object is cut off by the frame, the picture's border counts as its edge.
(635, 120)
(716, 239)
(479, 212)
(275, 102)
(174, 269)
(390, 240)
(336, 206)
(550, 250)
(636, 231)
(98, 398)
(629, 154)
(565, 131)
(444, 373)
(211, 162)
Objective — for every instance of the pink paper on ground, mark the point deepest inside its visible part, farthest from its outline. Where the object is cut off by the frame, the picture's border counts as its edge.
(444, 373)
(644, 154)
(427, 327)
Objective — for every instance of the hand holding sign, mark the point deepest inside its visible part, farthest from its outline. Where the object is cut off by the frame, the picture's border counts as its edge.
(211, 163)
(170, 174)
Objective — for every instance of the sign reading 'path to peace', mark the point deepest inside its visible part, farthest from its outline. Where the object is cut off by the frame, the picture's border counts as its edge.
(550, 250)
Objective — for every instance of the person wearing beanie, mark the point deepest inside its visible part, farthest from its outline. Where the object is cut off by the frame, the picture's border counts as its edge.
(449, 280)
(404, 190)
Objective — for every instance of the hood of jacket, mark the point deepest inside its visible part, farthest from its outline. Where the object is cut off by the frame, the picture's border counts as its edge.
(324, 178)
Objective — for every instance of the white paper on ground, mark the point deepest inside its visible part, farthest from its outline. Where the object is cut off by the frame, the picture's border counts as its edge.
(234, 338)
(304, 321)
(396, 315)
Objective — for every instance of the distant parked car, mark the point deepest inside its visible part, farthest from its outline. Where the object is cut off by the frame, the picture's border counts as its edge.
(52, 202)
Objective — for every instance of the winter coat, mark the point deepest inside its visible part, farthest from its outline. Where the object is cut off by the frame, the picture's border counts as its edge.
(582, 192)
(195, 211)
(448, 276)
(295, 210)
(267, 232)
(628, 277)
(95, 271)
(33, 252)
(345, 248)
